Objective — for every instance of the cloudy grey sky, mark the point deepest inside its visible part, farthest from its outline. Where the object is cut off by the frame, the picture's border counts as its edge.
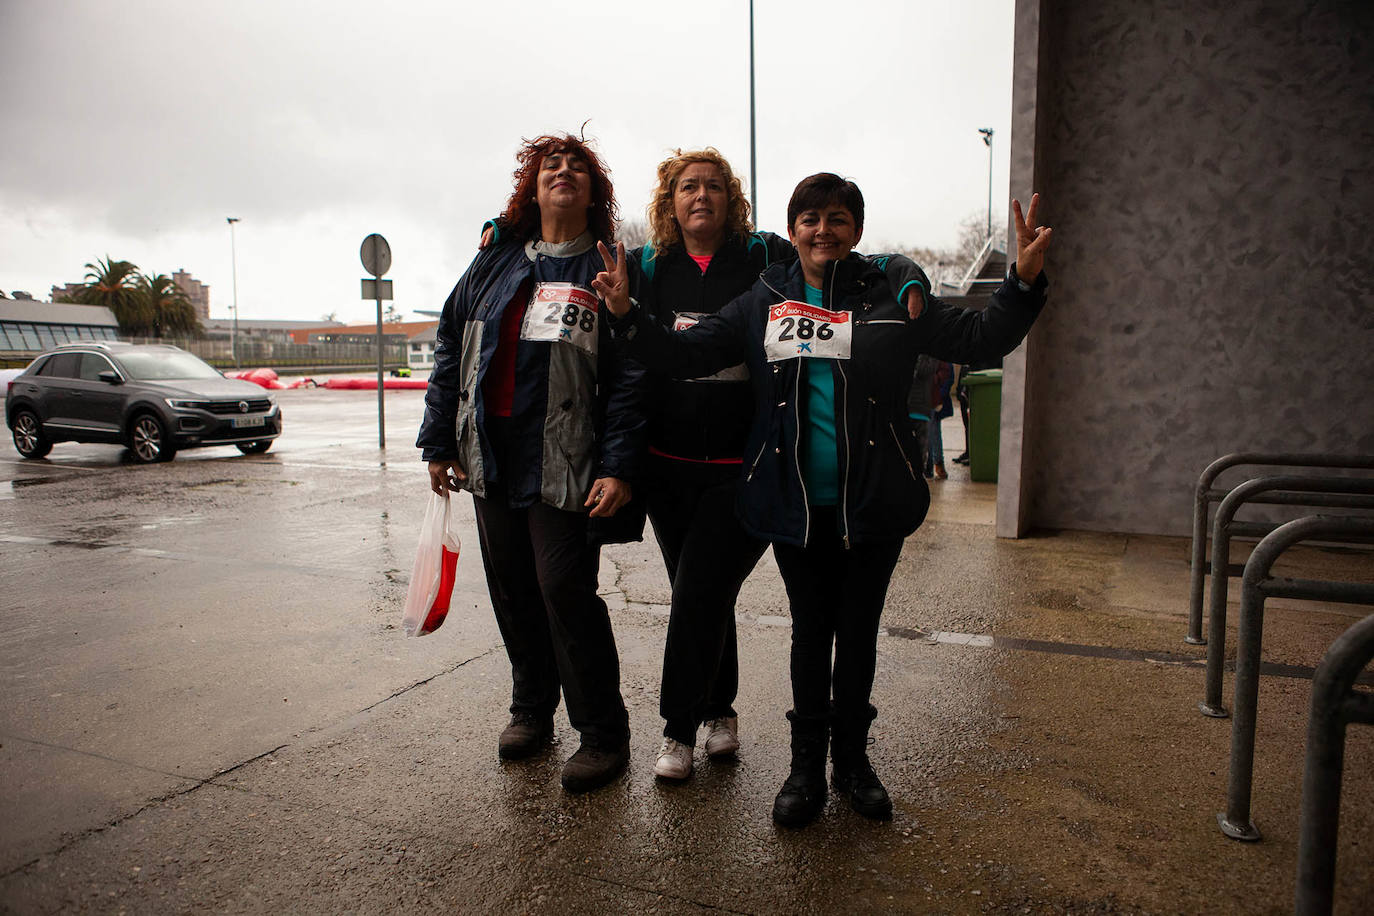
(133, 128)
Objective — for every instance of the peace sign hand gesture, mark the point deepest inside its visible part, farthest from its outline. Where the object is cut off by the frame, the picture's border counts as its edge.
(613, 283)
(1031, 241)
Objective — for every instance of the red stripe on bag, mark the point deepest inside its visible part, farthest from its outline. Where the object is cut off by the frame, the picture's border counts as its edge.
(439, 609)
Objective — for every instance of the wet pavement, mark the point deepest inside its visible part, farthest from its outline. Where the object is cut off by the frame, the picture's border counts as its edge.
(209, 705)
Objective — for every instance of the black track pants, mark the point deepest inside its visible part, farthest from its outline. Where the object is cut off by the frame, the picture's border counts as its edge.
(541, 574)
(708, 557)
(836, 598)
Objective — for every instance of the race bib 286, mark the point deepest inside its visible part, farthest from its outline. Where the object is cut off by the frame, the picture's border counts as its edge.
(796, 329)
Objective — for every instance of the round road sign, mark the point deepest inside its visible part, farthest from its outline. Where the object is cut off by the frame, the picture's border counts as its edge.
(376, 254)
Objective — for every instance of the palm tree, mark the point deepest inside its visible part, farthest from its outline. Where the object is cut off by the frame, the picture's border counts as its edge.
(169, 309)
(111, 283)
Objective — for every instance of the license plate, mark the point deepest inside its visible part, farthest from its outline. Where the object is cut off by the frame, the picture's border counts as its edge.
(241, 422)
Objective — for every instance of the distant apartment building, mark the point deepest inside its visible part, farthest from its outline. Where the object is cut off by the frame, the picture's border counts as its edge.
(67, 292)
(196, 291)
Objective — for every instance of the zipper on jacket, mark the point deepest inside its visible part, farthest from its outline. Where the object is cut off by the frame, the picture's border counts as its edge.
(828, 301)
(777, 292)
(849, 458)
(901, 451)
(757, 458)
(763, 448)
(796, 455)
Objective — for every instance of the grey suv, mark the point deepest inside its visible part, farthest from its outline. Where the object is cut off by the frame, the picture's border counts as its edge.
(151, 397)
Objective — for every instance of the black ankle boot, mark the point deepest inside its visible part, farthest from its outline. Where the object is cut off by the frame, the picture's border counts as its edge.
(802, 796)
(853, 775)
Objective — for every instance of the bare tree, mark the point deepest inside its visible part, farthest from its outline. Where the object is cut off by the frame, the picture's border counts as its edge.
(632, 232)
(950, 264)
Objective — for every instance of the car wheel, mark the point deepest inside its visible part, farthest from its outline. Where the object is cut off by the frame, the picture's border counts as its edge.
(148, 440)
(255, 448)
(29, 440)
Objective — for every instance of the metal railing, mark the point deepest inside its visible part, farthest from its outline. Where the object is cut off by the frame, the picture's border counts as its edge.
(1205, 494)
(1257, 586)
(1292, 490)
(254, 353)
(1335, 704)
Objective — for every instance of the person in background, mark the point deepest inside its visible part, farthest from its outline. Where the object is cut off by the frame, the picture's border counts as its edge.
(960, 392)
(532, 410)
(828, 477)
(941, 407)
(919, 409)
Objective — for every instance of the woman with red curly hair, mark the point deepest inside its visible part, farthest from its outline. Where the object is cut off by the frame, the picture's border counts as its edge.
(531, 410)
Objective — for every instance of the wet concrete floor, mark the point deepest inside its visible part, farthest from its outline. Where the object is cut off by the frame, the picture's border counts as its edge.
(209, 706)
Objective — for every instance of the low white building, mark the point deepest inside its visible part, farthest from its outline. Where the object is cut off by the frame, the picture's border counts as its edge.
(420, 348)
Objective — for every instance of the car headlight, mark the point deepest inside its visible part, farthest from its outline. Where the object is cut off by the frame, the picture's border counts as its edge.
(180, 404)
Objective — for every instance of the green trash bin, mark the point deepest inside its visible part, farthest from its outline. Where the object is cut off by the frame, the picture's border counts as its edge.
(984, 423)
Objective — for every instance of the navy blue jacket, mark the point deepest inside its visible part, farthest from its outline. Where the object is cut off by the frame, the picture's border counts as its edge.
(575, 416)
(883, 493)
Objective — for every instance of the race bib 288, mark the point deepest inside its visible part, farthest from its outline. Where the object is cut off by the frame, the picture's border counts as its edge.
(562, 312)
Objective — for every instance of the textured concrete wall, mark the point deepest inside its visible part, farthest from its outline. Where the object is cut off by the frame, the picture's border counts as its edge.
(1207, 170)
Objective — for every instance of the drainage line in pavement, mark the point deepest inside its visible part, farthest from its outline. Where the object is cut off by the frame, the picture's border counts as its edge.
(976, 640)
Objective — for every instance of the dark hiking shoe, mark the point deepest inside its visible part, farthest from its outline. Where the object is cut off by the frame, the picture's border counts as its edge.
(527, 734)
(593, 767)
(801, 799)
(864, 790)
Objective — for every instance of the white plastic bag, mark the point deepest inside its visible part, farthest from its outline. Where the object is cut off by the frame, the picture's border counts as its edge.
(436, 562)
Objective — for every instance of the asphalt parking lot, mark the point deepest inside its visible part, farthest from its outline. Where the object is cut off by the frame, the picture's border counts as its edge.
(209, 706)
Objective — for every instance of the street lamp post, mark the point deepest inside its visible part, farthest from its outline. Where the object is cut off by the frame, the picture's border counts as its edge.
(987, 140)
(234, 265)
(753, 167)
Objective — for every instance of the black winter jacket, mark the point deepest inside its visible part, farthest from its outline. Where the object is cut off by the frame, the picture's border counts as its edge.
(702, 419)
(883, 493)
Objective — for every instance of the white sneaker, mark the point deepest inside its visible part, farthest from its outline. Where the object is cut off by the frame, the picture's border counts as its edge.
(722, 736)
(674, 760)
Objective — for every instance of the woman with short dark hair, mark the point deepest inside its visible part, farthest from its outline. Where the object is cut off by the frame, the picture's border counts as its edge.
(831, 474)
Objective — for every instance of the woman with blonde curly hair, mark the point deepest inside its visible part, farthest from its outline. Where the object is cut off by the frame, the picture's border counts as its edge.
(702, 253)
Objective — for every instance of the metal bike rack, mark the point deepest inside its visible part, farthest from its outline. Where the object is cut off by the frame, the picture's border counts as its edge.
(1204, 494)
(1334, 706)
(1256, 587)
(1328, 492)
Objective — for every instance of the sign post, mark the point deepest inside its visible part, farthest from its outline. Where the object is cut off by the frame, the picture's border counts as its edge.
(376, 256)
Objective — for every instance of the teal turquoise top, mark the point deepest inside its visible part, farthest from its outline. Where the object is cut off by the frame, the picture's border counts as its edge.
(820, 453)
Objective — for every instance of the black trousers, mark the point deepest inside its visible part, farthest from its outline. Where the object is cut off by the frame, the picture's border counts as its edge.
(708, 556)
(541, 574)
(836, 598)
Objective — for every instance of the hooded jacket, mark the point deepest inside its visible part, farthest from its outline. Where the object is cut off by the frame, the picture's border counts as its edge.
(883, 493)
(576, 415)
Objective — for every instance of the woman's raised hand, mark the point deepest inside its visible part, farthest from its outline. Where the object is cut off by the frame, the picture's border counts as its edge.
(613, 283)
(1031, 240)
